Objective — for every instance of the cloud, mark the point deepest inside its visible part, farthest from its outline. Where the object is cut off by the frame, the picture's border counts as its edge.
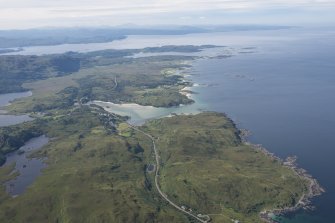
(29, 13)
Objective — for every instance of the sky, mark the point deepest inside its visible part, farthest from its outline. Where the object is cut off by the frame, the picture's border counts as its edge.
(24, 14)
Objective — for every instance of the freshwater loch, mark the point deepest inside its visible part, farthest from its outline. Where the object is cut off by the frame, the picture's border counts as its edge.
(28, 168)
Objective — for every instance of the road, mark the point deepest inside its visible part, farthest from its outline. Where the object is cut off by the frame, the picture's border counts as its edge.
(164, 196)
(115, 83)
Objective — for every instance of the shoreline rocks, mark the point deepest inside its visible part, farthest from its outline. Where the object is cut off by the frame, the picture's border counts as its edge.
(314, 189)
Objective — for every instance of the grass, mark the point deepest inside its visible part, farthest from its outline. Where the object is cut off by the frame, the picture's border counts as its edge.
(206, 167)
(139, 81)
(97, 165)
(6, 174)
(16, 70)
(124, 130)
(102, 180)
(94, 175)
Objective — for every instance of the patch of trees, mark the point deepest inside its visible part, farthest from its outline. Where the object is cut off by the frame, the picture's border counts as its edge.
(65, 64)
(64, 99)
(136, 148)
(2, 159)
(13, 137)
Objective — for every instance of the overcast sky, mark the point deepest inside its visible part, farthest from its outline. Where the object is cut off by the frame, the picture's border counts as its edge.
(21, 14)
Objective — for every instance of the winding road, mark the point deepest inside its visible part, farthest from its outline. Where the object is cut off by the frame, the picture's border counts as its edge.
(157, 158)
(164, 196)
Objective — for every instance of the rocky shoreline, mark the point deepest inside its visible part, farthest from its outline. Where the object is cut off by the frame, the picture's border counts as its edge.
(314, 189)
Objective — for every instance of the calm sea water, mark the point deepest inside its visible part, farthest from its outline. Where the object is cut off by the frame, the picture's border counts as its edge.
(285, 94)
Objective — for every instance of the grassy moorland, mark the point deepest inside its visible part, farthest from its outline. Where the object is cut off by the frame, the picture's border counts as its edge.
(59, 81)
(16, 70)
(97, 164)
(137, 80)
(205, 166)
(96, 173)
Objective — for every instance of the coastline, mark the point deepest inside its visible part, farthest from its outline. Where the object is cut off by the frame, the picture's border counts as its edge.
(305, 201)
(314, 189)
(184, 74)
(187, 91)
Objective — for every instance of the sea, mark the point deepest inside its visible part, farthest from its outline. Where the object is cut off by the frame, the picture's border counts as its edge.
(284, 93)
(279, 84)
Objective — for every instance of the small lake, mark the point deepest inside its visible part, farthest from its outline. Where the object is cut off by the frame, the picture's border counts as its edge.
(5, 99)
(28, 168)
